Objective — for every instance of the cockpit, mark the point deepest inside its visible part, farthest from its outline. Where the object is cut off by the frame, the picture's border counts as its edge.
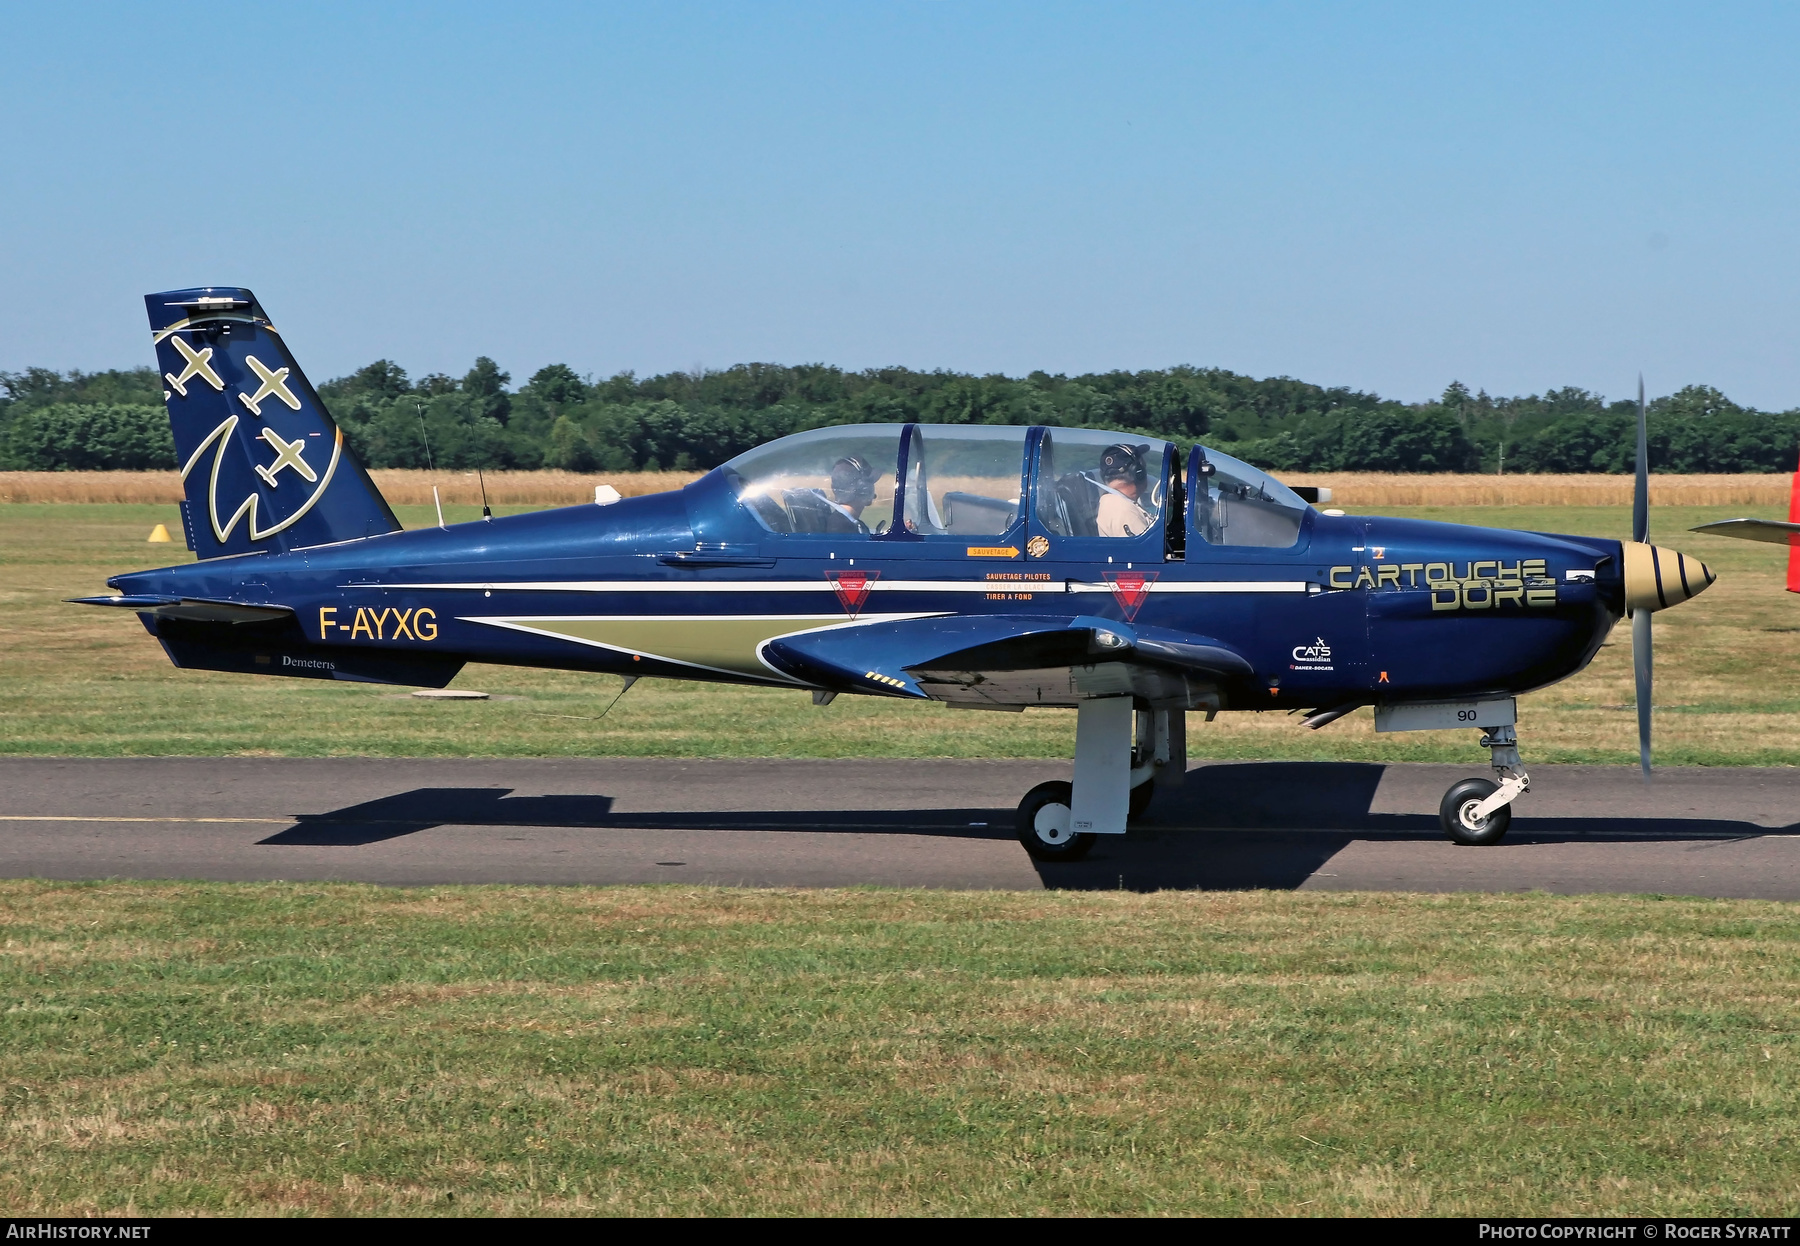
(985, 481)
(1100, 485)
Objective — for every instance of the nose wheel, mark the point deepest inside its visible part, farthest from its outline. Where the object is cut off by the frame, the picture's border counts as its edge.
(1044, 824)
(1463, 824)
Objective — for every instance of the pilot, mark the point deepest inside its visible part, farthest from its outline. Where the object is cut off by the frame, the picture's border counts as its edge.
(1121, 513)
(852, 489)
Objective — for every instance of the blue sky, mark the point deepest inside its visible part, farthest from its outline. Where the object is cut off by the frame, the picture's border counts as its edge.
(1383, 196)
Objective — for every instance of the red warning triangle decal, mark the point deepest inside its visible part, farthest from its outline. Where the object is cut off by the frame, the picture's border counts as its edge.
(852, 588)
(1131, 588)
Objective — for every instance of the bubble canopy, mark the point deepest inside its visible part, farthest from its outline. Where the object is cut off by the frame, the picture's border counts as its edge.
(970, 480)
(962, 480)
(837, 480)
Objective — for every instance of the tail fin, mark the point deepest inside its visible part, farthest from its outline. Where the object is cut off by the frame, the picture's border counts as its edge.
(263, 465)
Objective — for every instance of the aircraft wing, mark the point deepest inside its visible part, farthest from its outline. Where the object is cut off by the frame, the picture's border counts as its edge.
(1771, 530)
(1009, 662)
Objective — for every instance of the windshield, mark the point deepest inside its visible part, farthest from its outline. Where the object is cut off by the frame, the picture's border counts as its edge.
(1237, 504)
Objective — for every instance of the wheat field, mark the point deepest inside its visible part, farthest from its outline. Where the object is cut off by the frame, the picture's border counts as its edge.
(1353, 489)
(412, 487)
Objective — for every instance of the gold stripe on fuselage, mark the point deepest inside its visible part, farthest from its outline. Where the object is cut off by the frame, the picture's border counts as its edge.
(725, 643)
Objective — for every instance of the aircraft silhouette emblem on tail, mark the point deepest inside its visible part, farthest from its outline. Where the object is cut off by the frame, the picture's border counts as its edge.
(287, 455)
(274, 385)
(199, 364)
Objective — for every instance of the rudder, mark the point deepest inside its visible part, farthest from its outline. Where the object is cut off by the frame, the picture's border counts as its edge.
(263, 464)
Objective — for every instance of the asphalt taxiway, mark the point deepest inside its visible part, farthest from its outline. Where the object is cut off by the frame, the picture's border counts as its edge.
(1341, 826)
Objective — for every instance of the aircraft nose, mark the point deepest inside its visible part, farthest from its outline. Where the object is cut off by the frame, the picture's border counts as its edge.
(1657, 578)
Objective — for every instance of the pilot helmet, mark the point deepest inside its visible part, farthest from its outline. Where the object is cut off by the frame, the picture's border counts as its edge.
(851, 477)
(1122, 462)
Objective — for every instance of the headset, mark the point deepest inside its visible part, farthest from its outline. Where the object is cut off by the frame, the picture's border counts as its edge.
(852, 478)
(1122, 462)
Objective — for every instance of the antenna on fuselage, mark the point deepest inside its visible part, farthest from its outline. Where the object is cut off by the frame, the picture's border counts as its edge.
(424, 436)
(482, 481)
(629, 681)
(436, 501)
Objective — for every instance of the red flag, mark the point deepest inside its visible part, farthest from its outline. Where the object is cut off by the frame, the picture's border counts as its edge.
(1793, 584)
(1131, 588)
(852, 588)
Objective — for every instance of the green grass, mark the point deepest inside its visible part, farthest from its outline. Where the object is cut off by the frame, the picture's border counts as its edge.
(79, 681)
(340, 1049)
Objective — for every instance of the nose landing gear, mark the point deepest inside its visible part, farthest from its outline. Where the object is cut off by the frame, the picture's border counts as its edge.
(1477, 812)
(1474, 812)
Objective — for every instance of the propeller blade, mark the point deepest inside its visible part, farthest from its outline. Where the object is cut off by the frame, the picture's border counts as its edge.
(1640, 496)
(1640, 665)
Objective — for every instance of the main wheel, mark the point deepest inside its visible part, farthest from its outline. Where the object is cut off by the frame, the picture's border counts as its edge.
(1140, 798)
(1043, 823)
(1456, 809)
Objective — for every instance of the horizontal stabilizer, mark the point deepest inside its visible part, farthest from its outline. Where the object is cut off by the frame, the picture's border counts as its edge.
(193, 609)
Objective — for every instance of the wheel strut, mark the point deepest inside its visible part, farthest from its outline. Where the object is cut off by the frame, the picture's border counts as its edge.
(1514, 782)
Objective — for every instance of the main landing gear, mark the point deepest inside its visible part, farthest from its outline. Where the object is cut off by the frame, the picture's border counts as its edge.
(1476, 812)
(1045, 823)
(1114, 781)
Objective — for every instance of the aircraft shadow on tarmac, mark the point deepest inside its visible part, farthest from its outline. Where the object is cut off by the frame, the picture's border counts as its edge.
(406, 813)
(1229, 827)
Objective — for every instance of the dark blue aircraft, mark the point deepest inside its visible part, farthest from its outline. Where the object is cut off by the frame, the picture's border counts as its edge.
(989, 568)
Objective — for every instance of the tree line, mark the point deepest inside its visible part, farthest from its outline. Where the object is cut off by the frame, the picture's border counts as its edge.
(51, 421)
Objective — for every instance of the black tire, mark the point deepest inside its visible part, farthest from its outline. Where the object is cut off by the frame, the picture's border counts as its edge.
(1049, 838)
(1140, 798)
(1472, 792)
